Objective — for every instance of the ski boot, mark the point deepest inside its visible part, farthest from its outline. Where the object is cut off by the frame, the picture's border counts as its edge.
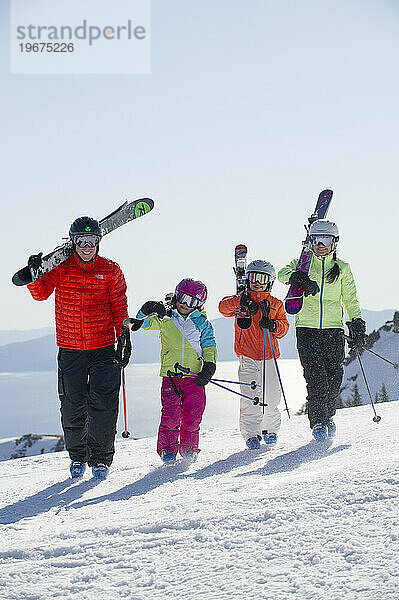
(332, 428)
(253, 443)
(100, 471)
(168, 458)
(269, 438)
(77, 469)
(190, 457)
(320, 432)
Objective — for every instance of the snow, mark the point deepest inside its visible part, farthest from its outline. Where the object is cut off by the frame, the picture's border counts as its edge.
(305, 520)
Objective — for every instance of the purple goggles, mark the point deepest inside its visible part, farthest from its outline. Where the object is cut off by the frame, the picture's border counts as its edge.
(90, 240)
(191, 301)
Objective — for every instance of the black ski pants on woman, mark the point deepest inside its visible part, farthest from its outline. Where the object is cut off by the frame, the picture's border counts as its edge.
(88, 387)
(321, 352)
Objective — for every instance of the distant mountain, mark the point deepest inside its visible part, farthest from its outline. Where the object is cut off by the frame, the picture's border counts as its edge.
(40, 354)
(383, 378)
(19, 335)
(33, 355)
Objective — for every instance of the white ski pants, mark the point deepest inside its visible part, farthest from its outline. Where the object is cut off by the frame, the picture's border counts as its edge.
(252, 418)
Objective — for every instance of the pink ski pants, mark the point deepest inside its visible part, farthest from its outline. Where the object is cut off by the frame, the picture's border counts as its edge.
(180, 417)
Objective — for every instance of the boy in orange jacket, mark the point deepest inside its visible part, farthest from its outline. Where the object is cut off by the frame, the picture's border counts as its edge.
(249, 347)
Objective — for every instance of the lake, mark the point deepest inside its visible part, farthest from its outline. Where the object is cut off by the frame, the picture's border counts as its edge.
(29, 401)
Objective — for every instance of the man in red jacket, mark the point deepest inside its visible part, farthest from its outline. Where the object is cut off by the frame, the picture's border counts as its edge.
(90, 306)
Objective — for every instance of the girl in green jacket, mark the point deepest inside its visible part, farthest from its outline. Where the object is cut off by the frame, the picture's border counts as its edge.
(320, 325)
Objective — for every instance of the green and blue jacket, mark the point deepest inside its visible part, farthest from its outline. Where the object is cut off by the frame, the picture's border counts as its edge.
(187, 340)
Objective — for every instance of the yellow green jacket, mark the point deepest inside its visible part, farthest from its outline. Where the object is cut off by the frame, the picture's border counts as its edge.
(325, 309)
(186, 340)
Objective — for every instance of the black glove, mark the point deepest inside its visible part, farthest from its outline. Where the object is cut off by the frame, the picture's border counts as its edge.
(152, 306)
(247, 302)
(205, 375)
(35, 261)
(301, 279)
(268, 323)
(357, 333)
(123, 347)
(135, 324)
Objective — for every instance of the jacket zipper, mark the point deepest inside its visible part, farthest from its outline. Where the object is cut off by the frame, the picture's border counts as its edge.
(184, 337)
(321, 294)
(83, 294)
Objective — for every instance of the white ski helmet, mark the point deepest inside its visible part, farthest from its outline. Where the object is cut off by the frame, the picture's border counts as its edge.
(261, 266)
(325, 228)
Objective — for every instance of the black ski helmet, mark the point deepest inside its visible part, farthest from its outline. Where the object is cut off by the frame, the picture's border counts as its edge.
(84, 225)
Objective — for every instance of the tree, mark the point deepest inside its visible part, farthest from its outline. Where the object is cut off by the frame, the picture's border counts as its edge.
(396, 322)
(355, 399)
(303, 410)
(383, 394)
(339, 403)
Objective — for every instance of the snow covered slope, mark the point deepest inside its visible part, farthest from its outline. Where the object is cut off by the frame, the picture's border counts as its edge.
(384, 341)
(305, 521)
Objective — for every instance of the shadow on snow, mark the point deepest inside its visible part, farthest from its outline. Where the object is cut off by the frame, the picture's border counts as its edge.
(65, 493)
(293, 460)
(59, 495)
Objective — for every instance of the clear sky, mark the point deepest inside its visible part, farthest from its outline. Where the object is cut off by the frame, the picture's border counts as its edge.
(251, 108)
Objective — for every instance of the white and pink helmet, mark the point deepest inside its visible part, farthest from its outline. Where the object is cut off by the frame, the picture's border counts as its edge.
(191, 292)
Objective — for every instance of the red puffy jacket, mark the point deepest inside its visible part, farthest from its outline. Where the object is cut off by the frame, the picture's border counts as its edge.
(249, 342)
(90, 301)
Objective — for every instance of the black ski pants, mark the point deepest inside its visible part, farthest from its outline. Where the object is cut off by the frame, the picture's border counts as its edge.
(321, 352)
(88, 387)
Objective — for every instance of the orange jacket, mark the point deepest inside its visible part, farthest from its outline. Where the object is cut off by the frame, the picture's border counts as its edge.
(249, 342)
(90, 301)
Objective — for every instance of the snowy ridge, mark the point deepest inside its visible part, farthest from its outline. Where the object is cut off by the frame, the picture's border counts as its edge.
(304, 520)
(30, 445)
(377, 371)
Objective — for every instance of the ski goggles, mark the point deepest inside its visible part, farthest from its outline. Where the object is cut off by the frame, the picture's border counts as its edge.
(91, 240)
(191, 301)
(326, 240)
(261, 278)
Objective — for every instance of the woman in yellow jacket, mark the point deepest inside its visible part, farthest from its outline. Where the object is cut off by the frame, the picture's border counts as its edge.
(320, 326)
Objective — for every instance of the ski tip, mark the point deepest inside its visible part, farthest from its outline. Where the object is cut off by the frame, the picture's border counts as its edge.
(22, 277)
(142, 206)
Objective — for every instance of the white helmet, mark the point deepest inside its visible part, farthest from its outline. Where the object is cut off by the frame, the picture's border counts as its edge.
(261, 266)
(323, 228)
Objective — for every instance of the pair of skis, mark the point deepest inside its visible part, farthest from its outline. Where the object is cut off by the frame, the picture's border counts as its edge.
(128, 211)
(294, 297)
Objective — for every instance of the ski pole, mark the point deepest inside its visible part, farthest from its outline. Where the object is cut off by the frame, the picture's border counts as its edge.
(278, 373)
(254, 400)
(253, 384)
(395, 365)
(125, 433)
(264, 371)
(376, 417)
